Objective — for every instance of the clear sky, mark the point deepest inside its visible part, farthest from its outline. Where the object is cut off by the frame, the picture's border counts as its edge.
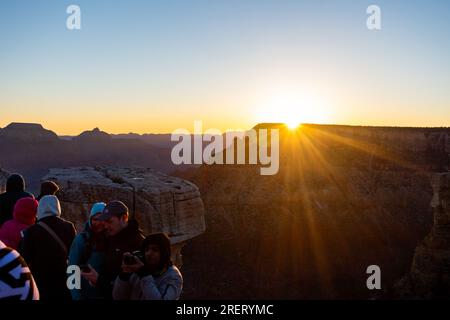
(154, 66)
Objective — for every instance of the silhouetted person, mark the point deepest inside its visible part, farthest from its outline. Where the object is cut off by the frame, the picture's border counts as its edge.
(151, 277)
(45, 248)
(15, 190)
(48, 188)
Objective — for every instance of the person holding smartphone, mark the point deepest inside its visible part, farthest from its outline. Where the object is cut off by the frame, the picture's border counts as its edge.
(124, 235)
(150, 273)
(88, 251)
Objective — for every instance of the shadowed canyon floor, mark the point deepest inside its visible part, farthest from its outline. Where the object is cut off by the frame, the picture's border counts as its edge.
(345, 198)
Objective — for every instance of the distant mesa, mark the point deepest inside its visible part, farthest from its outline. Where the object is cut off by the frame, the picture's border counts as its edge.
(94, 135)
(282, 127)
(270, 125)
(28, 132)
(127, 136)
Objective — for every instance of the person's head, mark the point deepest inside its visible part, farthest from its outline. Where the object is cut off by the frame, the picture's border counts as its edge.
(15, 183)
(157, 251)
(115, 217)
(49, 206)
(48, 188)
(25, 210)
(94, 222)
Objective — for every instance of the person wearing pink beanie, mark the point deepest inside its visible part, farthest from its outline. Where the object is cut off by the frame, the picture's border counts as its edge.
(23, 217)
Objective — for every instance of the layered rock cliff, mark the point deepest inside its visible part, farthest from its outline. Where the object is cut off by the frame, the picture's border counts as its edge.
(28, 132)
(344, 198)
(429, 277)
(159, 202)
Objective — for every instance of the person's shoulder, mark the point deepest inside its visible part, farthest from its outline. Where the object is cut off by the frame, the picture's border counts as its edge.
(4, 196)
(174, 272)
(27, 194)
(65, 222)
(31, 230)
(81, 237)
(69, 225)
(7, 224)
(134, 231)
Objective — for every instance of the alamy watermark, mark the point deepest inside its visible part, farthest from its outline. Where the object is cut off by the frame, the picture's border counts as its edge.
(253, 146)
(73, 21)
(373, 21)
(374, 280)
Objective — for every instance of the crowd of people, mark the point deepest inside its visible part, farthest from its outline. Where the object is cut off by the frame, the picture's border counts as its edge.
(116, 260)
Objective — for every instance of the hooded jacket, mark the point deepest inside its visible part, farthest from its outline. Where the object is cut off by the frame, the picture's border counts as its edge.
(48, 188)
(24, 216)
(166, 286)
(15, 190)
(161, 282)
(45, 257)
(88, 248)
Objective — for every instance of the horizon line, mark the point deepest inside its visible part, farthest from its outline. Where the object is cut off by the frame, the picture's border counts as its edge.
(237, 130)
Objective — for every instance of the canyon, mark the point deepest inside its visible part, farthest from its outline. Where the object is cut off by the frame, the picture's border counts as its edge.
(345, 197)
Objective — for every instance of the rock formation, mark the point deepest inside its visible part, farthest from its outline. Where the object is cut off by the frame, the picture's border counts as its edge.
(159, 202)
(344, 199)
(28, 132)
(96, 135)
(429, 277)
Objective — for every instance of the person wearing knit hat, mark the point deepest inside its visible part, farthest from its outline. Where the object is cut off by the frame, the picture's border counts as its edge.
(152, 278)
(23, 217)
(48, 188)
(15, 190)
(88, 249)
(45, 248)
(96, 209)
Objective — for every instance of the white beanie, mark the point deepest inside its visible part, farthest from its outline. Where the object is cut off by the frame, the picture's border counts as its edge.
(48, 207)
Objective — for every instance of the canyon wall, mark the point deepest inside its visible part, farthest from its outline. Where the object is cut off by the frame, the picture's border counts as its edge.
(429, 276)
(344, 198)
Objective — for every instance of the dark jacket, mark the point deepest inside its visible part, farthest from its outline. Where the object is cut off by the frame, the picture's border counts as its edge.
(46, 258)
(15, 190)
(128, 240)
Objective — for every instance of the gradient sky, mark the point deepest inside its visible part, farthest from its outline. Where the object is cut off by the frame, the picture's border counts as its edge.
(154, 66)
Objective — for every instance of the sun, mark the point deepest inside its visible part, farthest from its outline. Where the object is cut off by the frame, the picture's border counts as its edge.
(293, 109)
(292, 124)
